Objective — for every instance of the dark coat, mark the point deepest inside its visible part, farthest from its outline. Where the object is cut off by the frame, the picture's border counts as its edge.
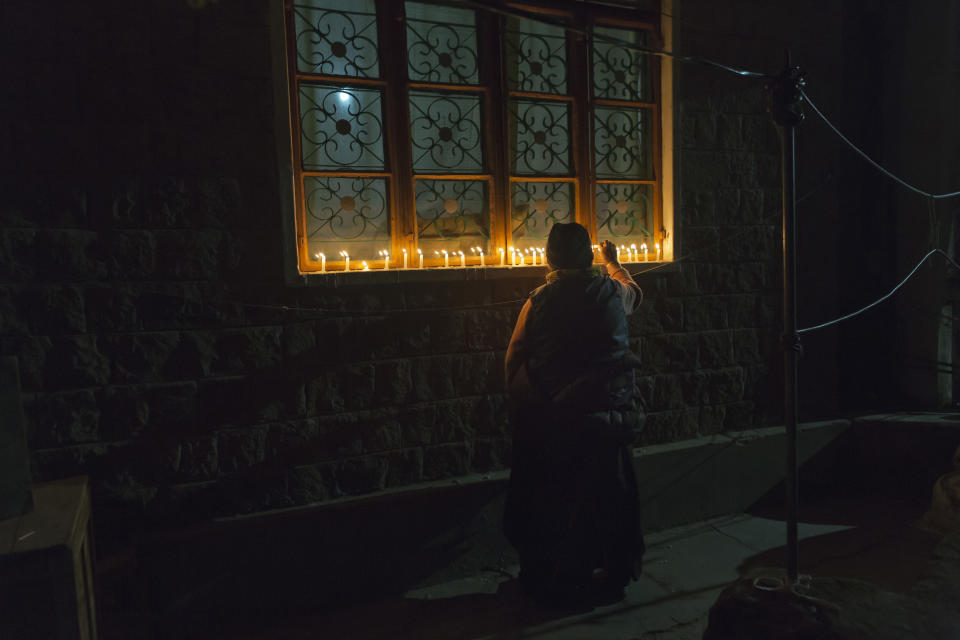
(572, 501)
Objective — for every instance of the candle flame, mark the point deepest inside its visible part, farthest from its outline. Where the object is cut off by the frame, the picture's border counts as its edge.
(366, 267)
(420, 252)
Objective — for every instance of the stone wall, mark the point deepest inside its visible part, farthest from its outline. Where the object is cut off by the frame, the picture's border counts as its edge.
(163, 351)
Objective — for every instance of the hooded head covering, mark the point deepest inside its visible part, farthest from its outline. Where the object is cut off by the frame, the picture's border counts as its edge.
(568, 247)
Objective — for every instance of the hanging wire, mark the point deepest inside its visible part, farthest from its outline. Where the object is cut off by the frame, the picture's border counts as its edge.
(875, 164)
(535, 17)
(892, 291)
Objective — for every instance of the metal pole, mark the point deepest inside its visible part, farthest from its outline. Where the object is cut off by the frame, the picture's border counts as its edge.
(785, 106)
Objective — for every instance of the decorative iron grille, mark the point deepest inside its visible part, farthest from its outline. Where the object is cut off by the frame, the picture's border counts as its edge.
(446, 132)
(452, 214)
(620, 73)
(536, 207)
(340, 128)
(540, 132)
(625, 212)
(332, 40)
(441, 44)
(536, 57)
(623, 145)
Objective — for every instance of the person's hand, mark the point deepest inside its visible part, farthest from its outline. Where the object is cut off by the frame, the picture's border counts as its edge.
(608, 251)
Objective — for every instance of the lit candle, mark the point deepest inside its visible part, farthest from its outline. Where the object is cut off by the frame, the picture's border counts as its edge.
(420, 253)
(633, 250)
(543, 255)
(643, 247)
(323, 262)
(513, 256)
(463, 260)
(346, 257)
(446, 257)
(404, 258)
(502, 253)
(618, 254)
(366, 267)
(386, 259)
(656, 253)
(480, 251)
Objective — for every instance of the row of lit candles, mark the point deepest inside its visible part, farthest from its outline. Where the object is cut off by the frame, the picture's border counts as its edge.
(518, 257)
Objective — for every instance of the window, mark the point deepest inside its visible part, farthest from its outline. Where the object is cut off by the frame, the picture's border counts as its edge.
(434, 132)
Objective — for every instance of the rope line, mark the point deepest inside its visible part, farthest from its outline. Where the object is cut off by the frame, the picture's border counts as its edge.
(890, 293)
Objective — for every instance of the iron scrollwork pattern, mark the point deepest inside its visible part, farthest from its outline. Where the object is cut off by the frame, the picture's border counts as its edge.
(340, 128)
(624, 212)
(541, 137)
(537, 206)
(536, 57)
(451, 212)
(332, 40)
(442, 44)
(346, 210)
(623, 142)
(620, 73)
(446, 133)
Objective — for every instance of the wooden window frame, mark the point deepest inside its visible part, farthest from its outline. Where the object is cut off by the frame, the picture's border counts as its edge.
(495, 97)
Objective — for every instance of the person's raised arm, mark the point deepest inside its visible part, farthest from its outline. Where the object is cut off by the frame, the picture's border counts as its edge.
(630, 291)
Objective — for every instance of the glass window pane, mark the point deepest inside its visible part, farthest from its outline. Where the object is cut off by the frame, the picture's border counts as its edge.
(441, 44)
(540, 137)
(346, 214)
(623, 142)
(537, 206)
(446, 133)
(625, 214)
(536, 56)
(340, 128)
(337, 37)
(621, 73)
(452, 215)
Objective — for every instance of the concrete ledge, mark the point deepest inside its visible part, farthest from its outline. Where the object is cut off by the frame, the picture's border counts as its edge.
(693, 480)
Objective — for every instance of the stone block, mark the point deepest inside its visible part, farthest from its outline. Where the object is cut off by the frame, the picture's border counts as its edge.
(405, 467)
(12, 320)
(704, 169)
(331, 338)
(138, 357)
(750, 209)
(447, 460)
(432, 378)
(491, 454)
(128, 254)
(173, 406)
(705, 313)
(680, 283)
(358, 383)
(701, 211)
(75, 361)
(188, 255)
(716, 349)
(299, 339)
(417, 424)
(746, 347)
(340, 436)
(363, 474)
(191, 357)
(63, 461)
(477, 374)
(734, 277)
(670, 352)
(69, 255)
(666, 392)
(645, 320)
(112, 308)
(489, 329)
(311, 483)
(246, 350)
(491, 416)
(242, 449)
(394, 382)
(380, 431)
(325, 393)
(198, 459)
(739, 416)
(453, 422)
(372, 338)
(124, 412)
(67, 417)
(295, 442)
(217, 202)
(52, 309)
(711, 419)
(224, 401)
(670, 313)
(180, 305)
(31, 353)
(18, 254)
(742, 310)
(730, 131)
(723, 385)
(413, 332)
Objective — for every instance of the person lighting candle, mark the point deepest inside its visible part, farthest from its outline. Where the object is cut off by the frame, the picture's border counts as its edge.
(572, 509)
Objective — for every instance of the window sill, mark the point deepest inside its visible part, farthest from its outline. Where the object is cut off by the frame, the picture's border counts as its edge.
(338, 279)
